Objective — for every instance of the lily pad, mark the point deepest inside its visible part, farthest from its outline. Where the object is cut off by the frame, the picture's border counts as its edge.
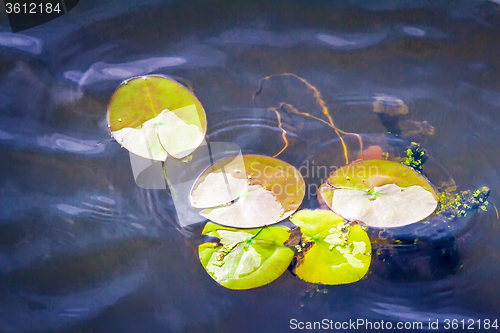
(273, 190)
(245, 259)
(153, 117)
(379, 193)
(334, 252)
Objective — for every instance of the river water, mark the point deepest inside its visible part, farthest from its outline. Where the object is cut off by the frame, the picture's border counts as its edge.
(83, 249)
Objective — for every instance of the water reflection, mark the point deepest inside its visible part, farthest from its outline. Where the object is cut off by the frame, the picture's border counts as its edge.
(69, 144)
(102, 71)
(21, 42)
(254, 37)
(83, 248)
(261, 37)
(421, 31)
(351, 41)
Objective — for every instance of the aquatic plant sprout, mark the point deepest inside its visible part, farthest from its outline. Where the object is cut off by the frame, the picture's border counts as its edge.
(153, 117)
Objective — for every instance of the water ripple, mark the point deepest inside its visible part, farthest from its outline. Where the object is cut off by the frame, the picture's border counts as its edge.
(58, 311)
(102, 71)
(351, 41)
(21, 42)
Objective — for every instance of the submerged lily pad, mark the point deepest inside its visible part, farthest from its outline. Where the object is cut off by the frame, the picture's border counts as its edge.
(333, 252)
(245, 259)
(379, 193)
(153, 117)
(248, 191)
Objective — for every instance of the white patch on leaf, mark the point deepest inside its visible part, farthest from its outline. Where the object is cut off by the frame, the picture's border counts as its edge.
(231, 261)
(334, 239)
(350, 255)
(178, 138)
(393, 206)
(239, 262)
(248, 263)
(142, 141)
(164, 135)
(218, 189)
(231, 238)
(256, 208)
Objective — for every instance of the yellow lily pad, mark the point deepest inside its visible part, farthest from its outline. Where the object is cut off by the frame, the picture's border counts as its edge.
(333, 252)
(153, 117)
(379, 193)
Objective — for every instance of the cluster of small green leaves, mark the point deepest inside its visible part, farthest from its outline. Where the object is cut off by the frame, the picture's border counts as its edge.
(416, 156)
(373, 194)
(452, 205)
(464, 202)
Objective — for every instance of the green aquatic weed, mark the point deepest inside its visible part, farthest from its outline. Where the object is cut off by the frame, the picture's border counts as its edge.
(455, 205)
(416, 156)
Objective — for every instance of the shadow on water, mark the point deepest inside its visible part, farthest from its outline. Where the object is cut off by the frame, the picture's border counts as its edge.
(83, 249)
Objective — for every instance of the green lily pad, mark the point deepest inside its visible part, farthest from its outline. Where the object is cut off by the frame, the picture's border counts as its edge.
(333, 252)
(248, 258)
(153, 117)
(248, 191)
(379, 193)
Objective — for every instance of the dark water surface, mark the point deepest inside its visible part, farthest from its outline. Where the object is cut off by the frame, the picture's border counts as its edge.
(83, 249)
